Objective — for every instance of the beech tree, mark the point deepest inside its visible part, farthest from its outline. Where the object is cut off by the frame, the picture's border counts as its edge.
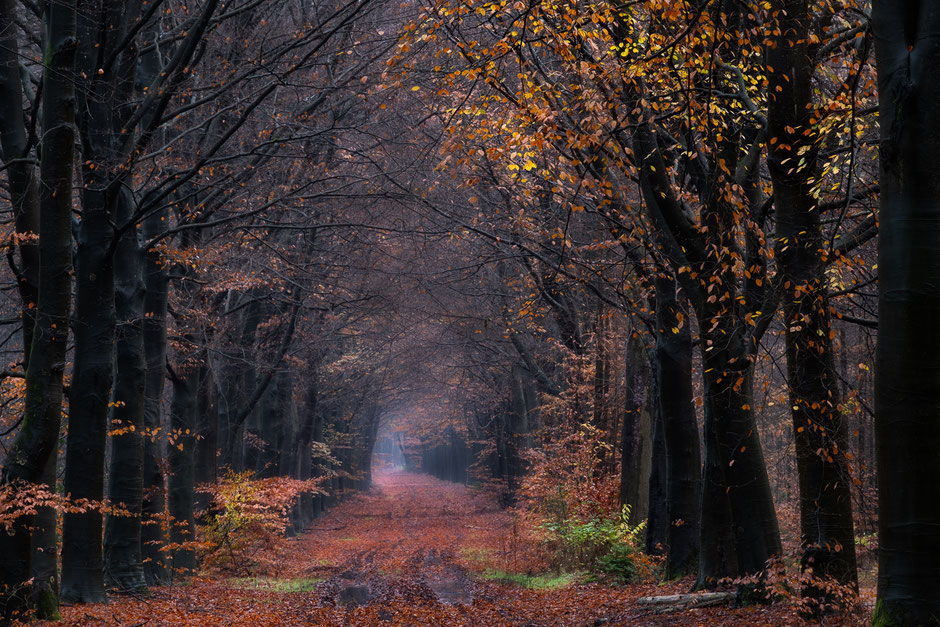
(609, 263)
(36, 442)
(906, 387)
(796, 129)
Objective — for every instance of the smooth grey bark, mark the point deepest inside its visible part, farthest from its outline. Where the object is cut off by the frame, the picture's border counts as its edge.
(28, 457)
(907, 372)
(123, 559)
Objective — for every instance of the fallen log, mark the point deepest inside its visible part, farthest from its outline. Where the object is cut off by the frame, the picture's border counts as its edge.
(679, 602)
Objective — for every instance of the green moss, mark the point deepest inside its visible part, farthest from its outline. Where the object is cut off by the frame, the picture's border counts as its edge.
(544, 581)
(883, 617)
(47, 606)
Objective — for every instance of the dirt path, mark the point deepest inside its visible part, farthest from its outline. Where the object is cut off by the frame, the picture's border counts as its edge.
(412, 551)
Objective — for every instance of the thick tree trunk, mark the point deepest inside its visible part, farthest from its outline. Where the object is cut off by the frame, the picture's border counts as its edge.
(153, 536)
(238, 386)
(741, 463)
(92, 375)
(907, 373)
(681, 436)
(45, 549)
(122, 540)
(708, 250)
(24, 199)
(274, 418)
(826, 526)
(181, 495)
(717, 555)
(102, 107)
(28, 456)
(287, 461)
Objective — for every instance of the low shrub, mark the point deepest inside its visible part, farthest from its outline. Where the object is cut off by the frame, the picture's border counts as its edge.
(246, 520)
(610, 546)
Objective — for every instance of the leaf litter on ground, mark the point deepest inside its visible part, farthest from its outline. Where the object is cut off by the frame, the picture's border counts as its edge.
(413, 550)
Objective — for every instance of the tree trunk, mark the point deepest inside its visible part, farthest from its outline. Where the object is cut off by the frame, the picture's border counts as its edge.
(239, 386)
(717, 556)
(734, 463)
(102, 105)
(207, 441)
(92, 373)
(153, 536)
(24, 199)
(181, 495)
(681, 436)
(21, 173)
(635, 456)
(657, 523)
(308, 430)
(907, 372)
(826, 526)
(741, 463)
(28, 456)
(274, 417)
(122, 540)
(45, 550)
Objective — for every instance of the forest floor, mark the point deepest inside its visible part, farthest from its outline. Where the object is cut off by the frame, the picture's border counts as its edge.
(412, 551)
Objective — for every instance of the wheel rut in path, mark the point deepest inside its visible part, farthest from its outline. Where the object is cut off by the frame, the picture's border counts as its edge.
(404, 541)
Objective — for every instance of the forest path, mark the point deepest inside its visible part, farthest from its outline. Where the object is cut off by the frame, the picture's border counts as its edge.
(414, 550)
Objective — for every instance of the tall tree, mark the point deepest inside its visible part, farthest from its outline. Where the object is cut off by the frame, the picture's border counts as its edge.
(17, 146)
(27, 459)
(907, 372)
(683, 454)
(826, 526)
(123, 559)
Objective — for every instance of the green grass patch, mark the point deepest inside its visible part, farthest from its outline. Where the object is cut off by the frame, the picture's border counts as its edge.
(544, 581)
(477, 557)
(277, 585)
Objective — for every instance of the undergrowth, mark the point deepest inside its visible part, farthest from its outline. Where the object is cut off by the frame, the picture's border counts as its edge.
(247, 520)
(277, 585)
(545, 581)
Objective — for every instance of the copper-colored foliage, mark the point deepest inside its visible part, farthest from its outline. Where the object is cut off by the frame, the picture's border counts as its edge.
(418, 549)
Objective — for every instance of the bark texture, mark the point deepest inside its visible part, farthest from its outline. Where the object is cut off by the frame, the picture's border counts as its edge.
(28, 457)
(680, 431)
(122, 539)
(907, 373)
(826, 525)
